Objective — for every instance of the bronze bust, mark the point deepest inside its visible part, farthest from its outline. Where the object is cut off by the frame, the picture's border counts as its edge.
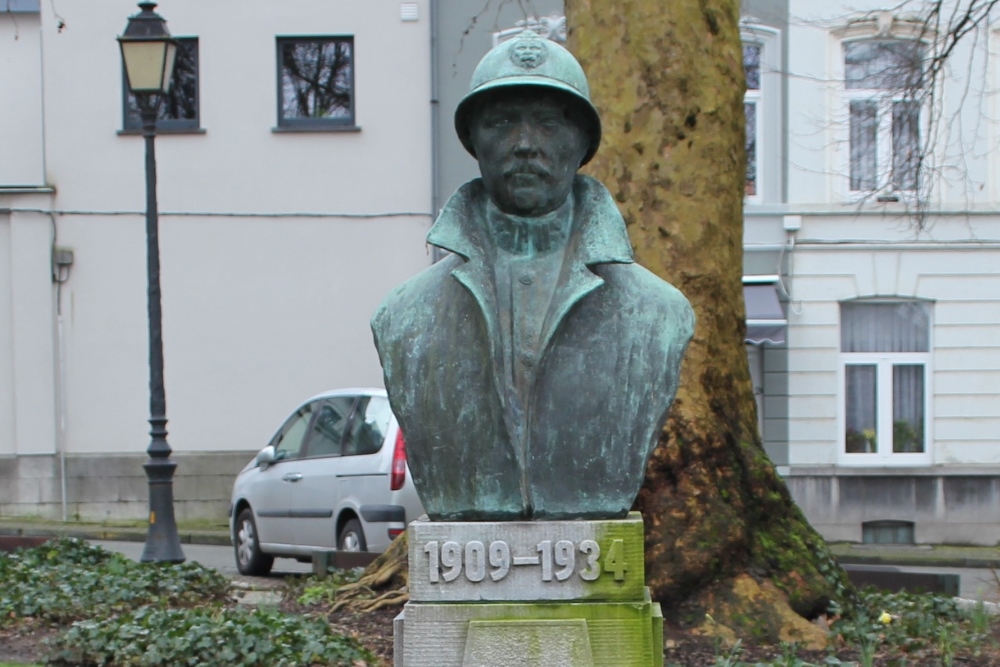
(532, 369)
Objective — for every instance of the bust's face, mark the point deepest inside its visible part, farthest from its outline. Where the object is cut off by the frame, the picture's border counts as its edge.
(529, 146)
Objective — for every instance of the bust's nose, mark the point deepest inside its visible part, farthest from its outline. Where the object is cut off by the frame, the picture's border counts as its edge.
(525, 140)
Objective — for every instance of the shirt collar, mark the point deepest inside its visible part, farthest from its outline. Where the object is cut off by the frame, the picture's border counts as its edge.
(462, 226)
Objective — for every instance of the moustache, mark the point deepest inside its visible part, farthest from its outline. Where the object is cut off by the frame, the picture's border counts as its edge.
(522, 168)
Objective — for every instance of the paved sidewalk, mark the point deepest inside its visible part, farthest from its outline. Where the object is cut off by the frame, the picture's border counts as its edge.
(929, 556)
(856, 554)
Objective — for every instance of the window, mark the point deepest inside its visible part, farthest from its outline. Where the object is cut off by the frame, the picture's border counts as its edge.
(883, 78)
(327, 436)
(751, 101)
(369, 428)
(288, 443)
(316, 82)
(887, 532)
(885, 353)
(179, 109)
(762, 108)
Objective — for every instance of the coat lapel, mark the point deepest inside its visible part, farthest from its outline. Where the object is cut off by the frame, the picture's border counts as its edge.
(598, 237)
(461, 229)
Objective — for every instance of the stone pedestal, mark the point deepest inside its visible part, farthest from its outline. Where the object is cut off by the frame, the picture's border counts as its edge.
(528, 594)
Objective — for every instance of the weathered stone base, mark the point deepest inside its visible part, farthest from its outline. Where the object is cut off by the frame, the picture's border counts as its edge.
(545, 634)
(528, 594)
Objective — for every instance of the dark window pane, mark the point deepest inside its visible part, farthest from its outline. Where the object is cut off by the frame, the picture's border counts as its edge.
(884, 327)
(317, 80)
(883, 64)
(751, 65)
(179, 109)
(862, 408)
(288, 442)
(750, 109)
(907, 408)
(328, 430)
(905, 144)
(369, 428)
(887, 532)
(864, 144)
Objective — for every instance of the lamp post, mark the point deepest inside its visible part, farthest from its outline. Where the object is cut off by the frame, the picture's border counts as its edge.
(148, 55)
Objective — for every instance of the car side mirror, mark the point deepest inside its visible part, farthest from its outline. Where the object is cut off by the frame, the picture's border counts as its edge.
(265, 457)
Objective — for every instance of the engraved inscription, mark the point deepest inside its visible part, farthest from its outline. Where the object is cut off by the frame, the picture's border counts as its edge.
(451, 561)
(556, 562)
(593, 552)
(475, 561)
(499, 560)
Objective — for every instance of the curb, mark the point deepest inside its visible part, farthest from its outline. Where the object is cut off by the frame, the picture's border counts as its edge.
(983, 563)
(944, 555)
(213, 538)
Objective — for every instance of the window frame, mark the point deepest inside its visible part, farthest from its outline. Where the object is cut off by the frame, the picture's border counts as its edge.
(769, 112)
(284, 124)
(168, 125)
(883, 28)
(885, 100)
(884, 363)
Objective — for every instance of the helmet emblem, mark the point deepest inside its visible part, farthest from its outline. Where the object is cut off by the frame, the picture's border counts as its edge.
(529, 51)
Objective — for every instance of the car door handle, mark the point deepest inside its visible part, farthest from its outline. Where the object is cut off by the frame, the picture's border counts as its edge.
(292, 477)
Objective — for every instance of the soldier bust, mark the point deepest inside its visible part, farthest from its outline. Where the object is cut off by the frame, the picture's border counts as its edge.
(532, 369)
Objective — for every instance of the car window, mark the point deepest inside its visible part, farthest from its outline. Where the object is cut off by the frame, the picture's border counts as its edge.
(327, 434)
(369, 427)
(288, 442)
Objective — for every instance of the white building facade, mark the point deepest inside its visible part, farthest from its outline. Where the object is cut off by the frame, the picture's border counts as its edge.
(883, 408)
(287, 211)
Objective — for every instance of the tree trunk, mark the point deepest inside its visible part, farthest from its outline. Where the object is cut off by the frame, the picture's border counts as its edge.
(667, 77)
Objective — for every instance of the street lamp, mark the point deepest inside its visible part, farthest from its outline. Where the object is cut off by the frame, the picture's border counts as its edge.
(148, 54)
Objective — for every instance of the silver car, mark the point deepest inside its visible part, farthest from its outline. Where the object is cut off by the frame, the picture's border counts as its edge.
(334, 476)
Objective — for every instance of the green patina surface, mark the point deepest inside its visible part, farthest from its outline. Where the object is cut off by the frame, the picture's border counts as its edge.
(621, 634)
(629, 534)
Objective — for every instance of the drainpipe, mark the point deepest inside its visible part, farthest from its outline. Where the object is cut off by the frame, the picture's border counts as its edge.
(436, 253)
(62, 261)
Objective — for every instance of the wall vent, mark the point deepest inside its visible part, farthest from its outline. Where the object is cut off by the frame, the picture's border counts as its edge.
(887, 532)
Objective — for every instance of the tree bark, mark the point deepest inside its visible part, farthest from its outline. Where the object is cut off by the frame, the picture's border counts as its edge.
(667, 77)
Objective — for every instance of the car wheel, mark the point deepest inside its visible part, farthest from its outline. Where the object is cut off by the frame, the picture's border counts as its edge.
(352, 537)
(250, 560)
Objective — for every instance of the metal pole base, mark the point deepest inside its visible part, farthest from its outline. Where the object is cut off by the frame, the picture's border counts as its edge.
(162, 542)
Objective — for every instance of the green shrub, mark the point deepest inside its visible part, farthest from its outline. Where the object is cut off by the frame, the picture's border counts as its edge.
(151, 637)
(906, 623)
(66, 579)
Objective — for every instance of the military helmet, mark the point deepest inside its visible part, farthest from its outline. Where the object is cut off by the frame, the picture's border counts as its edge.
(529, 60)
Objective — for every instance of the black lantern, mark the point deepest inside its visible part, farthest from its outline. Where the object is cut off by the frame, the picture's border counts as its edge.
(148, 55)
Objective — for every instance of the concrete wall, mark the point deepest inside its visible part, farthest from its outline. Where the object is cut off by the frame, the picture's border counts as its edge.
(106, 487)
(947, 505)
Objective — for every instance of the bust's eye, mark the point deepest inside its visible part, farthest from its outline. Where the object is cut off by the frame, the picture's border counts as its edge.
(497, 121)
